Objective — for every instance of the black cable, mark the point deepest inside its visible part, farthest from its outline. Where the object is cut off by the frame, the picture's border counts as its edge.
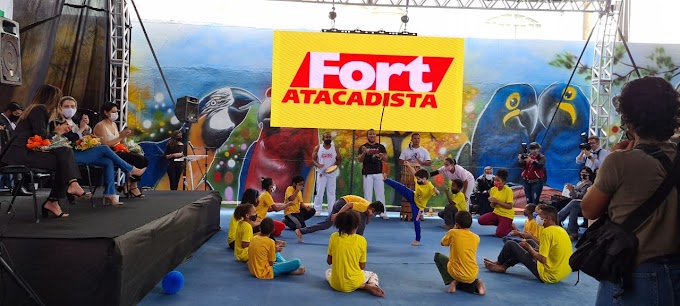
(153, 52)
(557, 108)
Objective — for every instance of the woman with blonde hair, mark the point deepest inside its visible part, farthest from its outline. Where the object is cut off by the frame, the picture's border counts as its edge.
(101, 156)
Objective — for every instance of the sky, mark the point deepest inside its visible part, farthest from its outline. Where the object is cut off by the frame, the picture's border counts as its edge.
(648, 18)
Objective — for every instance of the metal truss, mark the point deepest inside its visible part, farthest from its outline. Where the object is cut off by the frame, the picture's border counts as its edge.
(592, 6)
(119, 61)
(602, 82)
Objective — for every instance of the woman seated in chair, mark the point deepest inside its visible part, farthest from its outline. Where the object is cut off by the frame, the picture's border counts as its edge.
(108, 131)
(101, 156)
(34, 121)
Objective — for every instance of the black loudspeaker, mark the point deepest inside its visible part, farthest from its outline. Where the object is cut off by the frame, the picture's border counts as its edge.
(186, 109)
(11, 53)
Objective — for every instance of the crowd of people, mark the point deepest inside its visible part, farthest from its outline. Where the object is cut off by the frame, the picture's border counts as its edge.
(610, 185)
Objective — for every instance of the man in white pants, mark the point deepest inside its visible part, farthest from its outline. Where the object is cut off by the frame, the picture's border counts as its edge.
(371, 155)
(324, 156)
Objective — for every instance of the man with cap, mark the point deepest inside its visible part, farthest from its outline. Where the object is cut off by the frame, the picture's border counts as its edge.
(533, 173)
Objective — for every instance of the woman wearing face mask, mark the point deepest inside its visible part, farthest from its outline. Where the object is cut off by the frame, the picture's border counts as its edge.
(101, 156)
(573, 209)
(35, 121)
(451, 170)
(266, 204)
(502, 201)
(108, 131)
(174, 150)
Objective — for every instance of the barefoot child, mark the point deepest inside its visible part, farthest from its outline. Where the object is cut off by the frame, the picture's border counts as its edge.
(244, 231)
(530, 227)
(460, 269)
(249, 197)
(418, 198)
(347, 257)
(456, 203)
(264, 261)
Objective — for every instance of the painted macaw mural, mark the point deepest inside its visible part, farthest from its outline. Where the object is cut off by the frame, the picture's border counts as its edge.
(512, 95)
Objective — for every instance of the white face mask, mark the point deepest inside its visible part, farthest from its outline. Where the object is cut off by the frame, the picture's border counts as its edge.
(488, 176)
(273, 188)
(68, 112)
(539, 221)
(113, 116)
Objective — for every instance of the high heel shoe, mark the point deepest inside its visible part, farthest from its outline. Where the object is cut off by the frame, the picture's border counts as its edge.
(136, 172)
(132, 194)
(46, 211)
(110, 201)
(82, 196)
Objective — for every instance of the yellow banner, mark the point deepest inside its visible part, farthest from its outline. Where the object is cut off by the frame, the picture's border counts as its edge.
(344, 81)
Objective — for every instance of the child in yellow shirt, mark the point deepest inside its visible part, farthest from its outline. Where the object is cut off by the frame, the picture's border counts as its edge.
(418, 198)
(244, 231)
(456, 203)
(460, 269)
(530, 226)
(549, 262)
(249, 197)
(264, 261)
(347, 257)
(501, 199)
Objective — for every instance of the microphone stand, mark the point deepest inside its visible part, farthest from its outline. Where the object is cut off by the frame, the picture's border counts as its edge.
(4, 267)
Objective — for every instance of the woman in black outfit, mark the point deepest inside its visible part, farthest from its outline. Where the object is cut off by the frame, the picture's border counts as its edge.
(32, 122)
(173, 150)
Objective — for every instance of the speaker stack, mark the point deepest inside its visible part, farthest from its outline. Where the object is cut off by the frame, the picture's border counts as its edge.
(10, 58)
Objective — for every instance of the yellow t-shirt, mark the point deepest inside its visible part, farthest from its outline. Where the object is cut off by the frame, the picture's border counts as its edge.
(530, 226)
(504, 195)
(360, 204)
(244, 233)
(262, 208)
(422, 193)
(459, 199)
(295, 208)
(347, 252)
(261, 252)
(462, 245)
(556, 247)
(231, 234)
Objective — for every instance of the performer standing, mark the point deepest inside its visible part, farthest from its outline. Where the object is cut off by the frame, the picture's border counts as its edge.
(174, 150)
(372, 154)
(325, 156)
(416, 156)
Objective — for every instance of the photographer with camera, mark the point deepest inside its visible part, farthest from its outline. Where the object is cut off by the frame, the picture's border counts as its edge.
(591, 154)
(533, 172)
(371, 155)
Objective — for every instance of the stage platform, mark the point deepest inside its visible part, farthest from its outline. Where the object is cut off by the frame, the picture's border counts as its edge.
(104, 255)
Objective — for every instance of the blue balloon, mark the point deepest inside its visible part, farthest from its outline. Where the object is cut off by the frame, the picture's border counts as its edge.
(173, 282)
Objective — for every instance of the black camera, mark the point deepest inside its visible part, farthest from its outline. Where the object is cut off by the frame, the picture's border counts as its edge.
(525, 151)
(584, 142)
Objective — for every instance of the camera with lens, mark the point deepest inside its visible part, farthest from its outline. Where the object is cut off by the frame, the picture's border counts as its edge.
(525, 151)
(584, 145)
(374, 158)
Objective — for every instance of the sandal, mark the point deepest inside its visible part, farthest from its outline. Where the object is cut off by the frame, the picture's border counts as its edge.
(132, 194)
(82, 196)
(46, 211)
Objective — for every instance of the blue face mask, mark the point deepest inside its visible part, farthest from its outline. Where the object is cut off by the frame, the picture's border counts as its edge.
(535, 215)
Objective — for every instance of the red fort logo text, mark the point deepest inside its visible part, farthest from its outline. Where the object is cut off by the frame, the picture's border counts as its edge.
(367, 79)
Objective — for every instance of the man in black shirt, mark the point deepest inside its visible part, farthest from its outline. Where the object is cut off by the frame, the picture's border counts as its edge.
(371, 155)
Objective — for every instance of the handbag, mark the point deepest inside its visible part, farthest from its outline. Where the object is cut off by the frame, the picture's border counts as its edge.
(607, 250)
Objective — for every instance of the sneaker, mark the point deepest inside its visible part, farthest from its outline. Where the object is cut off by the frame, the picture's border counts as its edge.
(384, 216)
(317, 214)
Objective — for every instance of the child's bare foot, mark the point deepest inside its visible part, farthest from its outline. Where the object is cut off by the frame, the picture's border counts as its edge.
(494, 267)
(300, 271)
(491, 261)
(374, 290)
(299, 235)
(452, 287)
(415, 243)
(481, 289)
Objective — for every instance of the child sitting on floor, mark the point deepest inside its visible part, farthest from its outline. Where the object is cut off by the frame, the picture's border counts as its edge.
(460, 270)
(244, 231)
(264, 261)
(249, 197)
(456, 203)
(530, 226)
(347, 257)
